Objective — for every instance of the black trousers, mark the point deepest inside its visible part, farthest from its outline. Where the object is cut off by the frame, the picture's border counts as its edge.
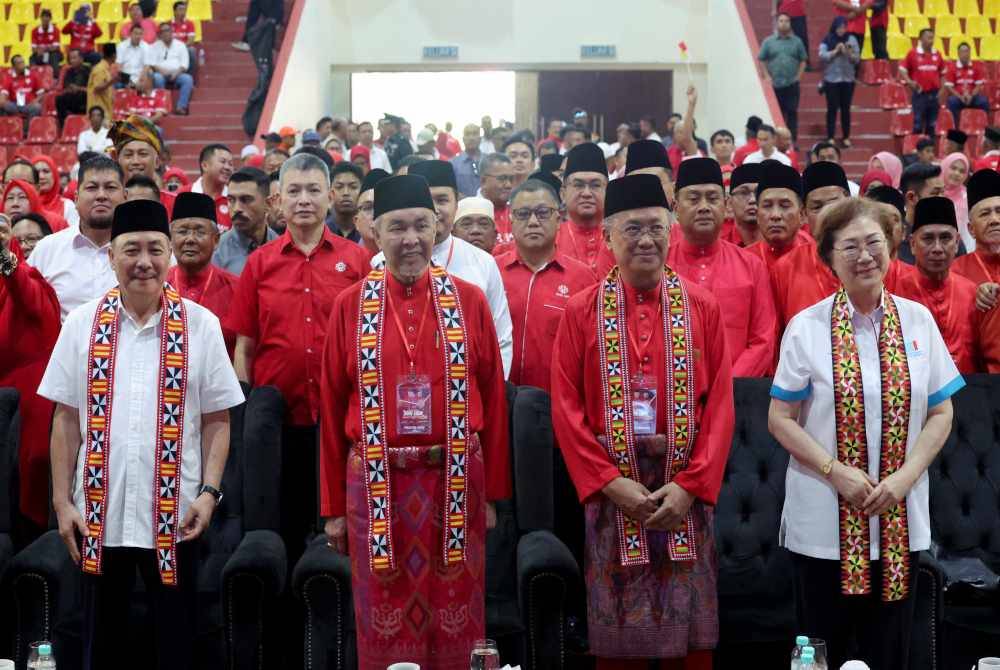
(106, 607)
(788, 101)
(267, 9)
(879, 40)
(861, 627)
(838, 98)
(801, 31)
(71, 102)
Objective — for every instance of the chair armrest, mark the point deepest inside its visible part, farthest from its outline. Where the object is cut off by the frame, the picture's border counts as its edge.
(926, 643)
(252, 581)
(322, 581)
(261, 555)
(546, 575)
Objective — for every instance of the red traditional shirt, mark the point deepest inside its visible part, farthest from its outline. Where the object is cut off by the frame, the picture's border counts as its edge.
(283, 302)
(45, 39)
(965, 78)
(953, 304)
(82, 35)
(341, 412)
(771, 254)
(184, 30)
(587, 246)
(537, 301)
(989, 340)
(212, 288)
(924, 68)
(800, 280)
(22, 89)
(740, 283)
(577, 388)
(978, 267)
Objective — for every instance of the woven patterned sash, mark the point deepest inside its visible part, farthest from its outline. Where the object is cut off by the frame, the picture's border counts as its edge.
(171, 385)
(852, 449)
(618, 420)
(450, 322)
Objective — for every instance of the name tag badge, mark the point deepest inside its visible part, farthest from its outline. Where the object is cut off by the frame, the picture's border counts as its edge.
(913, 349)
(644, 405)
(413, 405)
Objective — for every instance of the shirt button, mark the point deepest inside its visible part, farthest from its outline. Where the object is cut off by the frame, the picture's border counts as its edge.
(308, 319)
(409, 329)
(645, 359)
(642, 316)
(307, 290)
(410, 312)
(644, 338)
(411, 346)
(309, 351)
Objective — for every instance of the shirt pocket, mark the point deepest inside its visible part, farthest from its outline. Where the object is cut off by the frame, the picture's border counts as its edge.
(553, 316)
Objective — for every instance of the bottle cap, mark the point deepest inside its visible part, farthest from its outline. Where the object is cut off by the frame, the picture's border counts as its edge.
(45, 650)
(809, 650)
(802, 640)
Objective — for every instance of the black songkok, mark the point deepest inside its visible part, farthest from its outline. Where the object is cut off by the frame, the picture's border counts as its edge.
(957, 136)
(982, 185)
(634, 191)
(645, 154)
(695, 171)
(586, 157)
(547, 178)
(748, 173)
(550, 162)
(934, 211)
(889, 196)
(774, 174)
(823, 173)
(372, 178)
(437, 173)
(402, 192)
(190, 205)
(138, 216)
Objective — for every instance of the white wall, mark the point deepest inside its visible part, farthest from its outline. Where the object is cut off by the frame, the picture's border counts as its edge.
(336, 37)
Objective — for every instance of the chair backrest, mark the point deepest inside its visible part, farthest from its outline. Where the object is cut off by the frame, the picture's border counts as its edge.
(910, 143)
(64, 155)
(965, 8)
(533, 443)
(261, 471)
(45, 75)
(43, 130)
(947, 26)
(945, 121)
(902, 122)
(978, 26)
(965, 477)
(10, 434)
(906, 8)
(938, 8)
(973, 121)
(72, 127)
(3, 157)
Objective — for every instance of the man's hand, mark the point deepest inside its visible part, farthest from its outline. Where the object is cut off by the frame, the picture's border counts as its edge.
(851, 483)
(674, 505)
(692, 95)
(986, 296)
(336, 533)
(491, 516)
(891, 490)
(630, 497)
(198, 517)
(70, 524)
(5, 234)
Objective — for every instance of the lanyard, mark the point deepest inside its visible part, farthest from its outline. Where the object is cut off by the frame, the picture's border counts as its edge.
(409, 349)
(576, 250)
(641, 351)
(451, 252)
(982, 266)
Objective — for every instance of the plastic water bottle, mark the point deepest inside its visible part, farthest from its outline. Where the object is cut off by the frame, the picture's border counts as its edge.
(800, 642)
(807, 662)
(45, 660)
(201, 57)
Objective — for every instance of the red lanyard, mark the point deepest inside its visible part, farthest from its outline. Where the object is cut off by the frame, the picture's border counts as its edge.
(410, 349)
(451, 251)
(640, 352)
(982, 266)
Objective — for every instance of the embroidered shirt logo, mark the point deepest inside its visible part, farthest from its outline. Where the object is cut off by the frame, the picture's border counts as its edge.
(563, 290)
(340, 266)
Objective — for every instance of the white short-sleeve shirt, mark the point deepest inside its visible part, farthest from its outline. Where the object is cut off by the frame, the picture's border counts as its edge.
(212, 387)
(77, 269)
(809, 520)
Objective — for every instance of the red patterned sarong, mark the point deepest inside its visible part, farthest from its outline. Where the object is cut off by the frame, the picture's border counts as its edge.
(420, 611)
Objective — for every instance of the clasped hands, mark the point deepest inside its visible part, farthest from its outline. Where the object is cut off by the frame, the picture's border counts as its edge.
(872, 497)
(663, 509)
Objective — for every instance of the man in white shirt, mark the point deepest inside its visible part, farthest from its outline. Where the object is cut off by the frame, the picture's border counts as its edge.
(366, 138)
(133, 55)
(94, 138)
(169, 60)
(459, 257)
(767, 150)
(136, 485)
(75, 260)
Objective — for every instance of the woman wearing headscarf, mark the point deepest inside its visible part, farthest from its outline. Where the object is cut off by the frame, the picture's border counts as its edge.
(362, 157)
(839, 52)
(48, 190)
(20, 197)
(955, 172)
(175, 180)
(874, 179)
(29, 326)
(889, 163)
(83, 32)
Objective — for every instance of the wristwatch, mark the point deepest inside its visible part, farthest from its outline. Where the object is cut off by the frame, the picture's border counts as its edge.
(828, 467)
(212, 491)
(8, 263)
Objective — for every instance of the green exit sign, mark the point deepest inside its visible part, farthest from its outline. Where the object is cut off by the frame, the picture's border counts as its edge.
(441, 52)
(598, 51)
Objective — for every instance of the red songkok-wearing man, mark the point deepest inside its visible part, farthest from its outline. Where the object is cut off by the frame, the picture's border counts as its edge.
(640, 362)
(413, 413)
(584, 182)
(983, 265)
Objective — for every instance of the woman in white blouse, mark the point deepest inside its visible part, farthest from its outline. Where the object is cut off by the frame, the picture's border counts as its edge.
(861, 402)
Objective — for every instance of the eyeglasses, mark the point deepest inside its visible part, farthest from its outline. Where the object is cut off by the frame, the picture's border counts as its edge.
(742, 193)
(595, 185)
(197, 233)
(541, 213)
(634, 232)
(503, 178)
(851, 252)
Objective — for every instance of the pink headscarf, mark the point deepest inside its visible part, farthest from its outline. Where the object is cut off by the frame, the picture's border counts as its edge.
(891, 164)
(958, 196)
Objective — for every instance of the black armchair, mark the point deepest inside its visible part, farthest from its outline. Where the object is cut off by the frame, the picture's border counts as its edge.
(241, 565)
(756, 603)
(965, 523)
(529, 572)
(9, 444)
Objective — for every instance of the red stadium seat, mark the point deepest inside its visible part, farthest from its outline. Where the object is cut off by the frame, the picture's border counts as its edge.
(72, 127)
(892, 95)
(164, 98)
(3, 157)
(11, 129)
(901, 123)
(910, 143)
(64, 155)
(29, 151)
(945, 121)
(874, 72)
(123, 100)
(973, 121)
(996, 119)
(45, 76)
(992, 92)
(48, 101)
(42, 130)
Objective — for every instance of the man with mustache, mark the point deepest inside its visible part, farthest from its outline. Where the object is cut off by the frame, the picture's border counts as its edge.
(75, 260)
(194, 236)
(249, 189)
(777, 198)
(585, 179)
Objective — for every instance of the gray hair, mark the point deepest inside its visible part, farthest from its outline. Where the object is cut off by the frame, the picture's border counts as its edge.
(489, 160)
(304, 162)
(535, 186)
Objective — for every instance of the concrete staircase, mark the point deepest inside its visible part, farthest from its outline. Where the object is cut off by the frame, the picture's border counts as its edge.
(223, 86)
(869, 123)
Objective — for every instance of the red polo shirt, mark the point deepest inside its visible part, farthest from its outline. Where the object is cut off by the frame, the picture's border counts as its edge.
(82, 35)
(744, 151)
(924, 68)
(26, 84)
(965, 77)
(45, 39)
(283, 302)
(184, 30)
(537, 301)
